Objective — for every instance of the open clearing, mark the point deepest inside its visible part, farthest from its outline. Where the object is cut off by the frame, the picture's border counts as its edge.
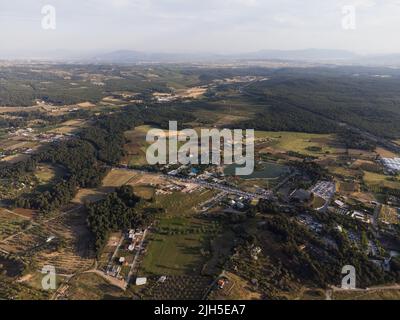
(90, 286)
(47, 173)
(136, 146)
(191, 93)
(304, 143)
(115, 178)
(68, 127)
(389, 215)
(237, 289)
(385, 153)
(348, 187)
(367, 295)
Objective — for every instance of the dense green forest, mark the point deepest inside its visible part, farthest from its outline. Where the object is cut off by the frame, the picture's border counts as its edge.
(368, 102)
(117, 212)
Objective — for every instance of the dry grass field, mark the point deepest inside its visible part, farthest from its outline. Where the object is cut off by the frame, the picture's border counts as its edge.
(237, 289)
(115, 178)
(376, 179)
(385, 153)
(389, 215)
(191, 93)
(11, 223)
(68, 127)
(90, 286)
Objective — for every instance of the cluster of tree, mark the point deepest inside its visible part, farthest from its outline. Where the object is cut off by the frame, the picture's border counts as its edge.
(116, 212)
(12, 122)
(59, 194)
(313, 260)
(277, 115)
(311, 169)
(78, 157)
(160, 115)
(23, 117)
(354, 140)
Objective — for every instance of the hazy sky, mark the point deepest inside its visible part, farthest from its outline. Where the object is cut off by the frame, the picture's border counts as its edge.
(221, 26)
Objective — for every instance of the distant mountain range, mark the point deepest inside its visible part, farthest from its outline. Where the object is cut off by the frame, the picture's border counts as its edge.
(129, 56)
(307, 55)
(132, 57)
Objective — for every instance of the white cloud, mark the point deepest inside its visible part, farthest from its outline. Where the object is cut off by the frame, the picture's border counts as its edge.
(204, 25)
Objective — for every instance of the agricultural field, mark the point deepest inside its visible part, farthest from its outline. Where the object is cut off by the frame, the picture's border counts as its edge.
(267, 170)
(362, 154)
(317, 145)
(191, 93)
(185, 287)
(389, 215)
(145, 192)
(380, 180)
(90, 286)
(344, 172)
(68, 127)
(180, 241)
(115, 178)
(61, 241)
(385, 153)
(136, 146)
(348, 187)
(367, 295)
(11, 223)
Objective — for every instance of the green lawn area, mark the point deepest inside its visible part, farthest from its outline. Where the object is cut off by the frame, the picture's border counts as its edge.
(180, 204)
(178, 245)
(318, 202)
(376, 179)
(344, 172)
(303, 143)
(267, 170)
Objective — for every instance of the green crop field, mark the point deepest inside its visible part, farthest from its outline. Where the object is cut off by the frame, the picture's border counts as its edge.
(178, 245)
(376, 179)
(304, 143)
